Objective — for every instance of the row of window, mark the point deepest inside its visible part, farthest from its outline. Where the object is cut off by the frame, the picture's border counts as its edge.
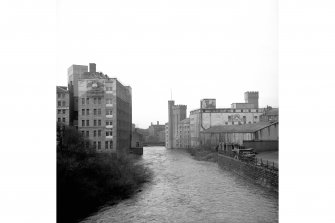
(62, 120)
(60, 95)
(96, 122)
(230, 117)
(95, 111)
(239, 123)
(108, 144)
(95, 101)
(96, 133)
(61, 111)
(61, 103)
(109, 88)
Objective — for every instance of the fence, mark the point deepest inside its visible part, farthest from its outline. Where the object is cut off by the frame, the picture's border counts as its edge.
(253, 161)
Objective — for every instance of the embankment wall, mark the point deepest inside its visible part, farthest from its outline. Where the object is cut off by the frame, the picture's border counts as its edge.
(257, 174)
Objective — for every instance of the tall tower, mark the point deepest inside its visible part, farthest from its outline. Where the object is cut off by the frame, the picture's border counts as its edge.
(251, 97)
(179, 114)
(170, 124)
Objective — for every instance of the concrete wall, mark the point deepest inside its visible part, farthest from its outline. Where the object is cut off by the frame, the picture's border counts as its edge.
(262, 146)
(124, 118)
(259, 175)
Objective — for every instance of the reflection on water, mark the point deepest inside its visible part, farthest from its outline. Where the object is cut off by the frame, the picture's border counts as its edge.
(186, 190)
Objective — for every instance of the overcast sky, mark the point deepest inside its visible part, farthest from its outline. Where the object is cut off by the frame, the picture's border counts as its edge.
(199, 49)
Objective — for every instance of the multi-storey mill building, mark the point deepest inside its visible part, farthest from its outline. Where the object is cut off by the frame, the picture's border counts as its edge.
(103, 109)
(176, 113)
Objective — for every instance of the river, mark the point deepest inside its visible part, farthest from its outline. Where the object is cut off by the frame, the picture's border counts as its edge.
(187, 190)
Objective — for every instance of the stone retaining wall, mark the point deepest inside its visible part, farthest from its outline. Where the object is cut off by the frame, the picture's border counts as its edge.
(257, 174)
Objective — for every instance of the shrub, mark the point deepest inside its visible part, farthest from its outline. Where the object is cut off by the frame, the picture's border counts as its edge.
(87, 180)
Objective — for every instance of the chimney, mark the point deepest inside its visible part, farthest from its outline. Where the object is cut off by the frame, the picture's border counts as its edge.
(93, 68)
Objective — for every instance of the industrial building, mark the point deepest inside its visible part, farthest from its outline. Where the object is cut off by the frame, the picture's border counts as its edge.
(183, 136)
(208, 115)
(262, 136)
(101, 108)
(62, 107)
(176, 113)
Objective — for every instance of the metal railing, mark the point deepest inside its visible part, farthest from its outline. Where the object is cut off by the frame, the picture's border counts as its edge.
(255, 161)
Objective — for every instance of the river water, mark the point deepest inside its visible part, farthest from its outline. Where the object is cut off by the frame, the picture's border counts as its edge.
(187, 190)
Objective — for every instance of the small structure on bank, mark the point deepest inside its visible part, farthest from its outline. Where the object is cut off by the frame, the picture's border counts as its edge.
(136, 143)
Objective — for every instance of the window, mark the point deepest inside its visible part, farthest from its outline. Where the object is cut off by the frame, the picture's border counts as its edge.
(95, 101)
(108, 112)
(87, 134)
(83, 133)
(87, 101)
(232, 123)
(111, 144)
(58, 95)
(226, 123)
(94, 133)
(244, 118)
(82, 111)
(95, 112)
(99, 133)
(63, 119)
(109, 88)
(99, 145)
(95, 122)
(58, 111)
(229, 118)
(87, 122)
(99, 101)
(63, 111)
(109, 133)
(63, 95)
(95, 144)
(108, 101)
(106, 145)
(87, 144)
(99, 122)
(83, 101)
(59, 103)
(58, 119)
(256, 117)
(63, 103)
(99, 111)
(87, 111)
(82, 122)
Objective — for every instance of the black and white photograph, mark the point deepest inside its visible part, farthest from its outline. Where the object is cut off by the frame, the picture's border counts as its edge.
(161, 111)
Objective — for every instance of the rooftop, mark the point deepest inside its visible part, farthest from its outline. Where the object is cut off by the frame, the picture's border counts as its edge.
(62, 88)
(239, 128)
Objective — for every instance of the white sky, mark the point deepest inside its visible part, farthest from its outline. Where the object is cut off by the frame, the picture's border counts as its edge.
(199, 49)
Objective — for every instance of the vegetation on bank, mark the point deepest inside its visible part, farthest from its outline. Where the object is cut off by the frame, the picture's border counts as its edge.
(203, 154)
(87, 180)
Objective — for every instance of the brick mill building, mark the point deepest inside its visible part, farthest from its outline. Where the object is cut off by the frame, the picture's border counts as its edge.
(101, 108)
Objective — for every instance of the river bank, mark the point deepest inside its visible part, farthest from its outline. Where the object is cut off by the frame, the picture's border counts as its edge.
(88, 180)
(203, 154)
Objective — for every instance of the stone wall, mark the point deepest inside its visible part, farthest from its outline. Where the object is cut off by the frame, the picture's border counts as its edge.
(259, 175)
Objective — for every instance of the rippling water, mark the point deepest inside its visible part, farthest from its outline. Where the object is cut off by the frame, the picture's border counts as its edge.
(186, 190)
